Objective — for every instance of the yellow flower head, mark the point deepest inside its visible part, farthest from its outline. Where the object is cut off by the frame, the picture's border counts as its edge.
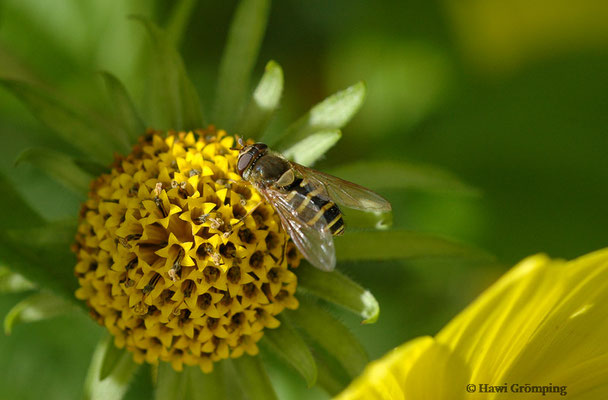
(539, 332)
(176, 255)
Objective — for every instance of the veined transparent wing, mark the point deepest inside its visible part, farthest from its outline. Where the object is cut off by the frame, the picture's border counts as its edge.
(314, 241)
(344, 192)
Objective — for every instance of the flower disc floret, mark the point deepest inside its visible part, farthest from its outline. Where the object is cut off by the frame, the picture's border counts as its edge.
(178, 257)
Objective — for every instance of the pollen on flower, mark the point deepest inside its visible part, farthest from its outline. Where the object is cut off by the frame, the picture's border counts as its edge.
(175, 259)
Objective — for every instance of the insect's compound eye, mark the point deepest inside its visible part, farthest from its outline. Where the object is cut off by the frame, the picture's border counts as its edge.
(244, 161)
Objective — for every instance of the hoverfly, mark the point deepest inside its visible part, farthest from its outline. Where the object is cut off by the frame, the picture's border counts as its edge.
(305, 200)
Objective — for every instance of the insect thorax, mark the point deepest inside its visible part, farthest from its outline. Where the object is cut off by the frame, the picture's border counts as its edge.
(269, 168)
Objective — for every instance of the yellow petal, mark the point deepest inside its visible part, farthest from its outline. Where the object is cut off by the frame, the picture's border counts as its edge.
(419, 369)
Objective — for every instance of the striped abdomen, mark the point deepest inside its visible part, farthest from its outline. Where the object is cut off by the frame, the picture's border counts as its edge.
(316, 211)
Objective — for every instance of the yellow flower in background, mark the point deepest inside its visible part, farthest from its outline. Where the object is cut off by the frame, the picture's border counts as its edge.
(501, 36)
(539, 332)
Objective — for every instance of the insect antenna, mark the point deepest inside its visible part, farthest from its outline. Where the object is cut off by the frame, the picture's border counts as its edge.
(240, 142)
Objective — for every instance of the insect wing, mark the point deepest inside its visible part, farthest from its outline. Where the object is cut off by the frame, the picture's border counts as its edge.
(314, 242)
(344, 192)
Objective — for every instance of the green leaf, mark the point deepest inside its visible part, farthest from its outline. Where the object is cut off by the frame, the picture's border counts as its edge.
(38, 251)
(331, 335)
(178, 20)
(91, 167)
(263, 103)
(126, 112)
(332, 113)
(176, 99)
(111, 358)
(202, 386)
(312, 147)
(21, 215)
(11, 282)
(288, 344)
(170, 385)
(339, 289)
(402, 175)
(58, 166)
(391, 245)
(244, 40)
(358, 219)
(42, 255)
(115, 385)
(332, 378)
(85, 131)
(39, 306)
(253, 378)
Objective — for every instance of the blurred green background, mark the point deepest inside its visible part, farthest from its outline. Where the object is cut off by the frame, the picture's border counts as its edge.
(509, 95)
